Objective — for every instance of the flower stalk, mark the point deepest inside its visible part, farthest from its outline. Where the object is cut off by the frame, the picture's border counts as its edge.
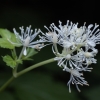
(25, 71)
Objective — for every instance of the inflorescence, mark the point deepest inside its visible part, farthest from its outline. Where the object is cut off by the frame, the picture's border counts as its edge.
(77, 43)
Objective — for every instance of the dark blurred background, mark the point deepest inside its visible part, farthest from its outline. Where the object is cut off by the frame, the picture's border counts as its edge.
(48, 82)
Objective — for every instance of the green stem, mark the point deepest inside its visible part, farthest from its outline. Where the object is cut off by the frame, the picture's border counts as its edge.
(15, 53)
(35, 66)
(15, 69)
(25, 71)
(21, 52)
(7, 83)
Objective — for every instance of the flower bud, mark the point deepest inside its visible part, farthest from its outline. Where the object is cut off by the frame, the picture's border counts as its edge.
(88, 54)
(68, 57)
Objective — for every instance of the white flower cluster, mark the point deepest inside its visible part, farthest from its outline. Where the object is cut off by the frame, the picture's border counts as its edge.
(26, 38)
(78, 48)
(77, 43)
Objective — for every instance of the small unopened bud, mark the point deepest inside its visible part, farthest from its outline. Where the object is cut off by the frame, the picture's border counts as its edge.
(68, 57)
(89, 62)
(88, 54)
(38, 46)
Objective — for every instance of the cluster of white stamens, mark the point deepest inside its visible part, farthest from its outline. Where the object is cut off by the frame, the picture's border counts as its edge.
(26, 38)
(77, 43)
(78, 48)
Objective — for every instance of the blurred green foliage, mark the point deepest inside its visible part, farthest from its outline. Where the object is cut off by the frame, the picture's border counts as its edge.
(37, 86)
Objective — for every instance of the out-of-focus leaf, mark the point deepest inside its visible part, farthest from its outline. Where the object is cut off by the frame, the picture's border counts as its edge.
(93, 93)
(19, 61)
(39, 86)
(5, 33)
(30, 53)
(6, 96)
(4, 43)
(8, 39)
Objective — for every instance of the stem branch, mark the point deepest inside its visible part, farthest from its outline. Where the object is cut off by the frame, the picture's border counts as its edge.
(35, 66)
(15, 69)
(25, 71)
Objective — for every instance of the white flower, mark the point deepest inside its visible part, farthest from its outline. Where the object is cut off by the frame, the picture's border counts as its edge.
(88, 57)
(51, 37)
(78, 51)
(25, 38)
(78, 48)
(83, 35)
(72, 61)
(70, 34)
(75, 77)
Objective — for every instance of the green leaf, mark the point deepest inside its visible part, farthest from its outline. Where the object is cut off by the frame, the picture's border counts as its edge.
(13, 52)
(6, 37)
(5, 33)
(4, 43)
(30, 53)
(9, 61)
(19, 61)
